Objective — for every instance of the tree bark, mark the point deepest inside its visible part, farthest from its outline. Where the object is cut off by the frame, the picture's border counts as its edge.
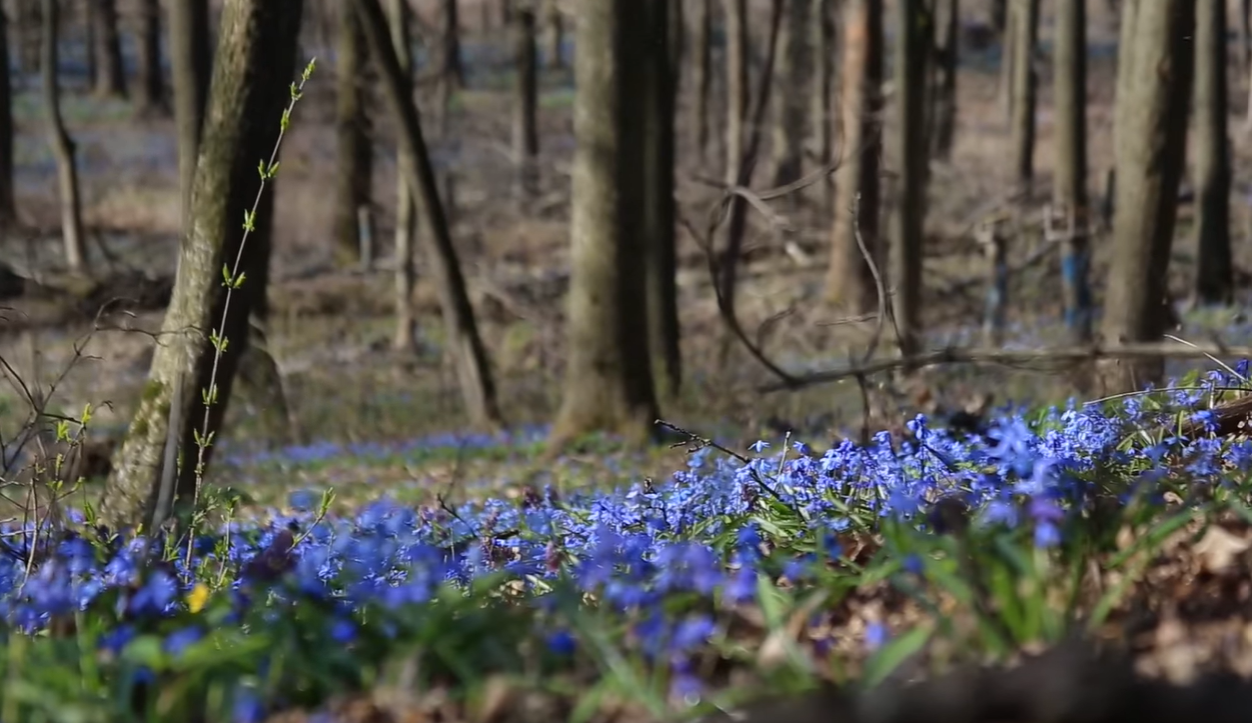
(191, 62)
(659, 97)
(702, 76)
(29, 22)
(791, 102)
(608, 381)
(62, 144)
(826, 123)
(1069, 192)
(947, 45)
(525, 103)
(465, 346)
(1214, 283)
(737, 86)
(255, 64)
(406, 211)
(556, 36)
(453, 69)
(354, 164)
(1025, 24)
(8, 203)
(913, 36)
(153, 100)
(1151, 148)
(849, 280)
(1008, 55)
(110, 77)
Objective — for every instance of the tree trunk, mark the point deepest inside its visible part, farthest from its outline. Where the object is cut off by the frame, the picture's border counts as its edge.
(29, 24)
(453, 70)
(152, 97)
(702, 76)
(465, 346)
(8, 203)
(1069, 192)
(62, 144)
(191, 63)
(1213, 283)
(825, 121)
(354, 164)
(1151, 148)
(791, 102)
(659, 96)
(556, 36)
(110, 77)
(849, 281)
(608, 379)
(255, 64)
(677, 42)
(913, 37)
(525, 103)
(1008, 55)
(1025, 24)
(943, 116)
(406, 211)
(737, 88)
(1245, 35)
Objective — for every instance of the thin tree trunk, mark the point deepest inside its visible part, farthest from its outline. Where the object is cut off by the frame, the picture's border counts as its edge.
(8, 204)
(62, 145)
(256, 62)
(153, 100)
(406, 211)
(659, 97)
(909, 141)
(826, 123)
(525, 103)
(110, 77)
(191, 63)
(849, 279)
(1151, 148)
(702, 76)
(736, 84)
(1213, 282)
(1025, 17)
(791, 102)
(1245, 36)
(465, 346)
(556, 36)
(1008, 55)
(943, 121)
(453, 69)
(608, 380)
(354, 164)
(1069, 191)
(29, 24)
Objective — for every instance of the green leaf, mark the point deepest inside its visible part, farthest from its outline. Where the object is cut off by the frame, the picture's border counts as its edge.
(890, 656)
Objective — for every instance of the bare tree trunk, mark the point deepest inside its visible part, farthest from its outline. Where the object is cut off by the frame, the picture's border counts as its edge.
(736, 84)
(1151, 148)
(191, 62)
(29, 21)
(406, 211)
(525, 103)
(825, 122)
(1214, 282)
(1008, 56)
(659, 97)
(1245, 35)
(1069, 191)
(702, 76)
(8, 203)
(354, 164)
(608, 379)
(153, 100)
(556, 36)
(62, 145)
(1025, 23)
(913, 37)
(943, 121)
(465, 346)
(849, 280)
(255, 63)
(110, 77)
(791, 103)
(453, 70)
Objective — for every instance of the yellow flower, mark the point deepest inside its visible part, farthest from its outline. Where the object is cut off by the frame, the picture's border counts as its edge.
(198, 596)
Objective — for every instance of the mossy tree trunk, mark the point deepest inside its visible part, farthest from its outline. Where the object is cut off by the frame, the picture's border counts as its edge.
(1151, 148)
(1025, 26)
(913, 37)
(525, 103)
(62, 144)
(354, 160)
(255, 62)
(947, 19)
(152, 100)
(795, 70)
(608, 380)
(191, 62)
(1069, 190)
(702, 76)
(110, 75)
(463, 342)
(659, 98)
(1213, 281)
(849, 280)
(8, 204)
(406, 213)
